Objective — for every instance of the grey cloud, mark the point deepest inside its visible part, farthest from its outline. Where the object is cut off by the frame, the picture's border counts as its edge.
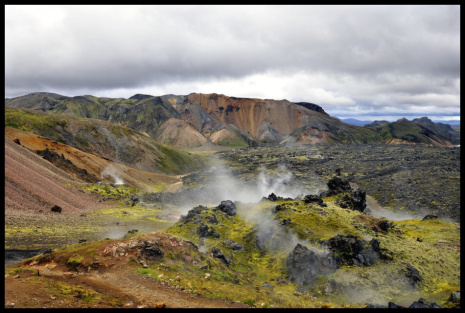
(361, 52)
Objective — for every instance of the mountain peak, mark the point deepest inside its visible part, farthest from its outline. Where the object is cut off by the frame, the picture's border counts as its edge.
(139, 96)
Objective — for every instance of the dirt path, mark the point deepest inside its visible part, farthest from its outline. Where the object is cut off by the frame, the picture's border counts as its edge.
(135, 290)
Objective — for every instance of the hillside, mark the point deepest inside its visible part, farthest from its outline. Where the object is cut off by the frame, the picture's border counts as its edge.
(417, 131)
(195, 120)
(317, 252)
(223, 120)
(110, 141)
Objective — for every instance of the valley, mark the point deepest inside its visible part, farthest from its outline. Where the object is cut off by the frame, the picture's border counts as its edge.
(255, 274)
(211, 201)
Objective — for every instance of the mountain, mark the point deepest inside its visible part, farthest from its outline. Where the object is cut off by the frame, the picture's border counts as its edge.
(417, 131)
(353, 121)
(376, 123)
(110, 141)
(200, 120)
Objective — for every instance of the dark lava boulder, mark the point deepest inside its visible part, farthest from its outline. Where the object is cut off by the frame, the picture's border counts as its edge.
(216, 252)
(413, 274)
(385, 225)
(337, 185)
(207, 231)
(233, 245)
(423, 304)
(194, 215)
(272, 197)
(305, 266)
(454, 297)
(355, 201)
(359, 200)
(352, 251)
(278, 208)
(56, 208)
(227, 207)
(149, 251)
(313, 199)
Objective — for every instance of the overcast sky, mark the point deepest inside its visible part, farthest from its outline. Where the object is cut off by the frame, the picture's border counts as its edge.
(364, 62)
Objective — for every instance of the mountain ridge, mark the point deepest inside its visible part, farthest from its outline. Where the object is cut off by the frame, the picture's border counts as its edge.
(222, 120)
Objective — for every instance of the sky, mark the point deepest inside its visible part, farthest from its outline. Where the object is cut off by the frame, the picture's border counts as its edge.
(356, 61)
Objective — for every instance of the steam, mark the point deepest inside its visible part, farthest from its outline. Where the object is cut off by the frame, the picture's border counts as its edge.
(112, 172)
(225, 186)
(278, 183)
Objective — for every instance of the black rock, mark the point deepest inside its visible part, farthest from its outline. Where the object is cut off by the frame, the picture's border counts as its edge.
(207, 231)
(413, 274)
(228, 207)
(385, 225)
(211, 219)
(455, 297)
(325, 193)
(352, 251)
(278, 208)
(312, 199)
(337, 185)
(193, 215)
(359, 200)
(272, 197)
(375, 306)
(305, 266)
(423, 304)
(56, 209)
(218, 254)
(392, 305)
(429, 217)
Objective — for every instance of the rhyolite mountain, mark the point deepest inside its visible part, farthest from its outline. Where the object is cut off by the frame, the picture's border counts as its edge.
(110, 141)
(197, 120)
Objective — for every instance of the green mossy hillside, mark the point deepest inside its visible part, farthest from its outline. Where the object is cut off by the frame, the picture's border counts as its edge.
(431, 247)
(111, 141)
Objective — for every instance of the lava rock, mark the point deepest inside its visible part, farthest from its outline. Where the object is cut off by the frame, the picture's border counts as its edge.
(312, 199)
(337, 185)
(423, 304)
(218, 254)
(392, 305)
(278, 208)
(429, 217)
(352, 251)
(194, 215)
(359, 200)
(149, 251)
(207, 231)
(272, 197)
(385, 225)
(228, 207)
(211, 219)
(413, 274)
(56, 209)
(455, 297)
(305, 266)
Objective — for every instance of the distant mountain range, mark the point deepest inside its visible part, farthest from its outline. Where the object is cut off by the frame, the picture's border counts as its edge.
(353, 121)
(196, 121)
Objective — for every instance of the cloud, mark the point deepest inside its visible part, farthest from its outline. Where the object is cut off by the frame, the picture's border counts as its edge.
(334, 56)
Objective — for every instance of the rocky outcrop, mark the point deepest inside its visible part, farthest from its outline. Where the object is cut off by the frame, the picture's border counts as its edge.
(227, 207)
(350, 250)
(305, 266)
